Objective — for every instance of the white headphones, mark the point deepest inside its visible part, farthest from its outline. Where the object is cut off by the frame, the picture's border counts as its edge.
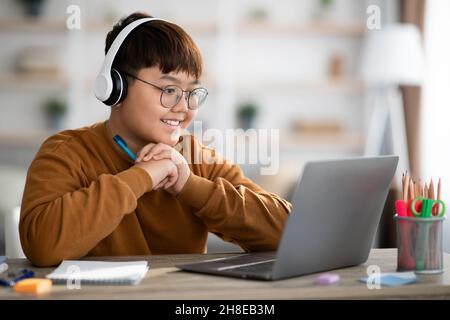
(110, 86)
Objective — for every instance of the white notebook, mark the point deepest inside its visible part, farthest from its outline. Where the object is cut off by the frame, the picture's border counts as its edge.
(100, 272)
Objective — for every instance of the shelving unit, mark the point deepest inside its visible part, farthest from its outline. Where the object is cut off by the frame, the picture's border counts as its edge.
(220, 35)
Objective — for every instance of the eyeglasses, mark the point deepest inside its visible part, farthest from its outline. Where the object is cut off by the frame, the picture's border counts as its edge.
(171, 95)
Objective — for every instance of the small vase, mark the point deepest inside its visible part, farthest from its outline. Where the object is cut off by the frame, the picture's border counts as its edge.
(325, 12)
(34, 9)
(54, 122)
(246, 122)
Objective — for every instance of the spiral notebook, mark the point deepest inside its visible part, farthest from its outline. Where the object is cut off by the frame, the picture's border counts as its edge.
(100, 272)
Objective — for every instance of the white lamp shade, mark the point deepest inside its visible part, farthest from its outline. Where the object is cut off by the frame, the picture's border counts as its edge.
(393, 56)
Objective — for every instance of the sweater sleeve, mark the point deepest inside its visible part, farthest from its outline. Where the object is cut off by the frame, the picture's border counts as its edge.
(234, 207)
(60, 219)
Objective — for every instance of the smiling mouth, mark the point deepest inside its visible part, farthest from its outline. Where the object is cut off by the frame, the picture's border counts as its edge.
(171, 123)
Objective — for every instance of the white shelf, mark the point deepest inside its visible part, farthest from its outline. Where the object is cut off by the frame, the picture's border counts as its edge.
(32, 25)
(59, 26)
(38, 81)
(309, 28)
(325, 141)
(32, 139)
(32, 81)
(243, 27)
(289, 141)
(346, 84)
(190, 27)
(205, 28)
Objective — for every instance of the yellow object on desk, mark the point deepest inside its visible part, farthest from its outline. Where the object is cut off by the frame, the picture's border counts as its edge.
(33, 285)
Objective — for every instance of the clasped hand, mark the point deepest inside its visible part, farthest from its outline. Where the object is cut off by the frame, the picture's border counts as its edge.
(167, 167)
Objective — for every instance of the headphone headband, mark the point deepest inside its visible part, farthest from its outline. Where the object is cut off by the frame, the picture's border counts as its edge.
(104, 83)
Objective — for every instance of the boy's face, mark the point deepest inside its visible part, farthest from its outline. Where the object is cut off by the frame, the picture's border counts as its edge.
(143, 114)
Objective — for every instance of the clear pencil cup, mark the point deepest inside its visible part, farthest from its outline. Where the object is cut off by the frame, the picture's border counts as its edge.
(419, 243)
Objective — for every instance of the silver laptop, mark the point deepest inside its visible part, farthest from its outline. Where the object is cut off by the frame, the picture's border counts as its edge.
(337, 206)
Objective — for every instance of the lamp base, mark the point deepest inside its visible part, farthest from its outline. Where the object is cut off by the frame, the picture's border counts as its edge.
(388, 121)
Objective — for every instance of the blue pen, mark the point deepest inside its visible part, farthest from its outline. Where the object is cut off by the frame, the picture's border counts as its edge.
(24, 274)
(118, 139)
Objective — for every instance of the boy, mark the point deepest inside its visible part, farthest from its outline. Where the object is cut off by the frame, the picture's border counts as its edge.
(84, 196)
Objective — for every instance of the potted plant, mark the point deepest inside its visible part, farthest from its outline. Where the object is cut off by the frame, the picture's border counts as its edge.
(246, 115)
(33, 8)
(55, 109)
(326, 8)
(258, 14)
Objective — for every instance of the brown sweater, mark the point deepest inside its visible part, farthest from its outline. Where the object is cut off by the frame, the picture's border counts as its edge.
(84, 197)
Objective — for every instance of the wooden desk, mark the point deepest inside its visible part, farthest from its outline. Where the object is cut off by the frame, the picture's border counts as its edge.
(163, 281)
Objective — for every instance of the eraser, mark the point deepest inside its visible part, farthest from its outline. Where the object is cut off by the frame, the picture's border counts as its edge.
(33, 285)
(327, 278)
(402, 208)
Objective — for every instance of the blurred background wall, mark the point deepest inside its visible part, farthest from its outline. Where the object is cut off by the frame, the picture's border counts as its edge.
(291, 64)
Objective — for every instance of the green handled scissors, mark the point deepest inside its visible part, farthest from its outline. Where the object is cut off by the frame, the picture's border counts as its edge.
(427, 207)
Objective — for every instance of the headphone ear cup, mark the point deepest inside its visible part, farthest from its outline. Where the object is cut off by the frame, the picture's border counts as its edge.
(119, 89)
(124, 83)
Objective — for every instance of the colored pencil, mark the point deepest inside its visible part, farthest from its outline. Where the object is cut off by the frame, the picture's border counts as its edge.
(431, 190)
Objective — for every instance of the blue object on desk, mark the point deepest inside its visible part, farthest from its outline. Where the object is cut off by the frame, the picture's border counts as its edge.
(395, 279)
(23, 274)
(118, 139)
